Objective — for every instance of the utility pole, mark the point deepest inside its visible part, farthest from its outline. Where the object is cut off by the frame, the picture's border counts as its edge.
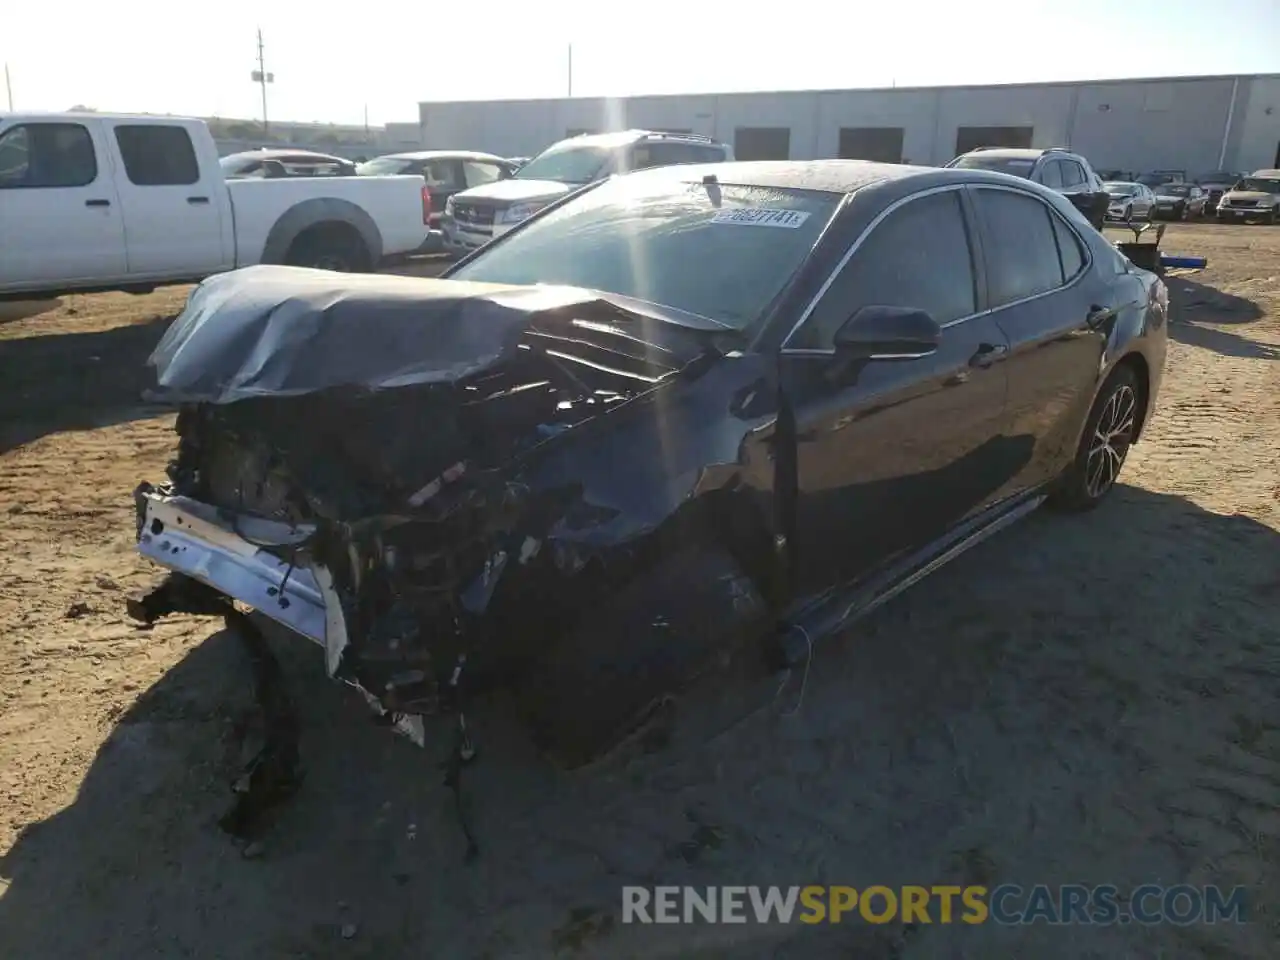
(8, 85)
(262, 78)
(571, 69)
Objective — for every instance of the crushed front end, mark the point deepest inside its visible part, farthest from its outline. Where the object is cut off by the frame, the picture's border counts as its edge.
(376, 502)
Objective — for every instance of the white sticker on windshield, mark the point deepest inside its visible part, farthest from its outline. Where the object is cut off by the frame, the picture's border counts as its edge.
(761, 217)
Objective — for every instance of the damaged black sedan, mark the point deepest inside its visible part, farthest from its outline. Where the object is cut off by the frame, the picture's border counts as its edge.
(677, 413)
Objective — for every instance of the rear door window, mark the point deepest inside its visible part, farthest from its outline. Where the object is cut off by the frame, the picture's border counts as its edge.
(1019, 246)
(918, 256)
(157, 155)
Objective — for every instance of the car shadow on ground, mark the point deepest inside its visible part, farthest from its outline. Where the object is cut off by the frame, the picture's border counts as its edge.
(74, 381)
(1079, 699)
(1199, 313)
(12, 310)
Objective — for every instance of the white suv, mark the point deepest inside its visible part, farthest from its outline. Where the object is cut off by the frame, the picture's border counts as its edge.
(474, 217)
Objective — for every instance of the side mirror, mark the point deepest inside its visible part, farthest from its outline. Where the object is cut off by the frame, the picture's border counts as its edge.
(888, 333)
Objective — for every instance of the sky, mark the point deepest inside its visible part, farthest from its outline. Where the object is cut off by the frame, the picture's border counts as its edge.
(332, 63)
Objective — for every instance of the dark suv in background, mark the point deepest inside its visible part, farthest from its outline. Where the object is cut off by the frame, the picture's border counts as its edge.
(1054, 167)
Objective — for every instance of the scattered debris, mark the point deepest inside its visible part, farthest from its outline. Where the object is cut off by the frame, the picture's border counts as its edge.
(274, 774)
(77, 610)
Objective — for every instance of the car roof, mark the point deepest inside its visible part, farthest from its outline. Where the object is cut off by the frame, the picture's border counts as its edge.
(1019, 153)
(829, 176)
(622, 138)
(440, 155)
(276, 154)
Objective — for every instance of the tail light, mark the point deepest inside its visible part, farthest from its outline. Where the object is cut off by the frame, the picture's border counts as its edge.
(426, 205)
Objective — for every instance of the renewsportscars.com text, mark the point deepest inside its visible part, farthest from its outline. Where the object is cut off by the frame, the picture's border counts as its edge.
(1007, 904)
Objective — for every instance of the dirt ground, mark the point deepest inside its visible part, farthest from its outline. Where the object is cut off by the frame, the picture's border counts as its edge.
(1077, 700)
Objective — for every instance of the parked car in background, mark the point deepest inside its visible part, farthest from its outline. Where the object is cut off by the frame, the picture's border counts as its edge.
(1179, 201)
(1157, 177)
(284, 163)
(681, 413)
(1129, 201)
(104, 201)
(1215, 184)
(1252, 198)
(1053, 167)
(446, 172)
(474, 217)
(1267, 173)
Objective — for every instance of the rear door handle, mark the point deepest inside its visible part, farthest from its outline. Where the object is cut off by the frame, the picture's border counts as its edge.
(1097, 316)
(197, 199)
(97, 203)
(987, 354)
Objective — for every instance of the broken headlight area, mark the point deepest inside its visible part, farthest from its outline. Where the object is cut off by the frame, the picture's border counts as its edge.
(393, 527)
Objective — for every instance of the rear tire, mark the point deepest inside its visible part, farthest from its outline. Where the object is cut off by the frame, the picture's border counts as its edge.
(1108, 434)
(323, 248)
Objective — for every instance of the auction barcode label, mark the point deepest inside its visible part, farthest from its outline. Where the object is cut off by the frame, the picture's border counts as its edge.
(761, 217)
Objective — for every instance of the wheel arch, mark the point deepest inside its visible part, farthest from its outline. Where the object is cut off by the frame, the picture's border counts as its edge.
(1135, 361)
(317, 213)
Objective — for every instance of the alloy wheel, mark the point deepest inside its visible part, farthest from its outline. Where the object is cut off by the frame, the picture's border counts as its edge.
(1112, 436)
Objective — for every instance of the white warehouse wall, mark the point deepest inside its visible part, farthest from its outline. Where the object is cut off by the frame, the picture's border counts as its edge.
(1171, 123)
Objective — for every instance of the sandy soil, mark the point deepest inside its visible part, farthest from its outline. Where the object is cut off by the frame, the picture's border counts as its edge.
(1077, 700)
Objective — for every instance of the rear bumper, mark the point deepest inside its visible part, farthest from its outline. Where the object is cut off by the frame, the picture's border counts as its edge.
(234, 556)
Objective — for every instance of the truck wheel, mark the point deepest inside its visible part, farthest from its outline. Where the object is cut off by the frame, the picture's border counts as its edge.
(606, 679)
(330, 247)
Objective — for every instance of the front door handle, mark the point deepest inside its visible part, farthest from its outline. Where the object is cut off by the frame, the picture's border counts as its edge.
(1098, 315)
(197, 199)
(97, 203)
(987, 354)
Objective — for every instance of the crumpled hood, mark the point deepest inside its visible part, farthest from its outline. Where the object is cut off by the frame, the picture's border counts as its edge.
(285, 331)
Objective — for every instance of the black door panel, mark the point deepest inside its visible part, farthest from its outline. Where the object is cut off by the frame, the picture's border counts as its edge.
(890, 453)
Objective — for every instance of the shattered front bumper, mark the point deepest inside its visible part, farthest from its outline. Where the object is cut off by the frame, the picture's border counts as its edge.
(261, 563)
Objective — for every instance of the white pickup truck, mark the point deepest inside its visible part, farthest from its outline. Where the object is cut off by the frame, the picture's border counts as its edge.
(99, 201)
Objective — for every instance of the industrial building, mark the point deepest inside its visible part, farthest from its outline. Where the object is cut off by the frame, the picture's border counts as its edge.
(1196, 124)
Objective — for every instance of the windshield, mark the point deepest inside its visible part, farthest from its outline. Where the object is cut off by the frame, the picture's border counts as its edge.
(566, 164)
(1121, 189)
(1017, 166)
(383, 166)
(1173, 189)
(1258, 184)
(718, 251)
